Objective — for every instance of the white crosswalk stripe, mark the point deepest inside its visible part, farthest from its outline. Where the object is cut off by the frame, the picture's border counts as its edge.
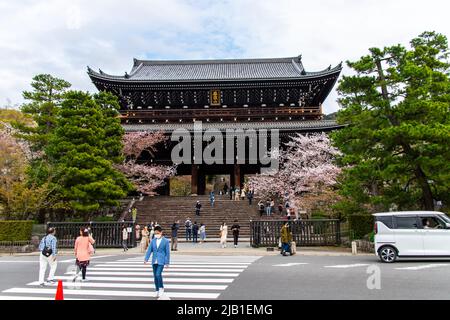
(427, 266)
(188, 277)
(345, 266)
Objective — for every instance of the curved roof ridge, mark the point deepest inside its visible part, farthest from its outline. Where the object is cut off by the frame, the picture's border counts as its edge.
(216, 61)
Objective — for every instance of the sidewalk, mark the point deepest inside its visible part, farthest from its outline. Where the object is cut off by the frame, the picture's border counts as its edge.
(214, 248)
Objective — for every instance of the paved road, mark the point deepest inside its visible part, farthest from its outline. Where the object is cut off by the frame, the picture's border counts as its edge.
(235, 277)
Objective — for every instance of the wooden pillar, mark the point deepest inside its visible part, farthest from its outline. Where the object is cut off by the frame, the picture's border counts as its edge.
(237, 175)
(201, 186)
(194, 179)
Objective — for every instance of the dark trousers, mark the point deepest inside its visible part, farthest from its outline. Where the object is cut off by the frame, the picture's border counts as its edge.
(194, 237)
(124, 245)
(174, 243)
(157, 274)
(188, 234)
(197, 212)
(236, 239)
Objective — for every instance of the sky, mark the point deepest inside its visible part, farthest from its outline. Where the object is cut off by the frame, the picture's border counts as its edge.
(62, 37)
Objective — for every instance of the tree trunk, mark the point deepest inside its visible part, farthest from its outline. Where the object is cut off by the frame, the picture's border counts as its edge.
(427, 194)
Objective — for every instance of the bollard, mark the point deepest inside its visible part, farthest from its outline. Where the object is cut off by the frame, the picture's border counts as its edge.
(354, 248)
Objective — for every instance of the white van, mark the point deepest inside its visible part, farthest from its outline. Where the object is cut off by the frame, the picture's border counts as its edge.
(412, 234)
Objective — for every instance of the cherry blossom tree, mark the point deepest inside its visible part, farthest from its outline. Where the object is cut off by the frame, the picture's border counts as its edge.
(145, 177)
(306, 167)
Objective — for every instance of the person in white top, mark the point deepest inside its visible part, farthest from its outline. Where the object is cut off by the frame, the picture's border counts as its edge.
(124, 239)
(223, 235)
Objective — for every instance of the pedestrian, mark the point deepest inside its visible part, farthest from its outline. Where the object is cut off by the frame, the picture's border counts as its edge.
(144, 239)
(195, 232)
(211, 199)
(280, 208)
(223, 235)
(159, 249)
(231, 193)
(83, 250)
(198, 207)
(237, 194)
(243, 194)
(235, 229)
(261, 208)
(272, 206)
(286, 239)
(202, 231)
(175, 227)
(124, 238)
(289, 213)
(138, 232)
(250, 197)
(134, 214)
(268, 207)
(49, 249)
(188, 225)
(152, 231)
(225, 188)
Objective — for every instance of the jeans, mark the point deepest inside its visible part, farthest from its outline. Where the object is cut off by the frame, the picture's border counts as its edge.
(188, 234)
(236, 239)
(157, 274)
(43, 262)
(285, 247)
(124, 245)
(194, 237)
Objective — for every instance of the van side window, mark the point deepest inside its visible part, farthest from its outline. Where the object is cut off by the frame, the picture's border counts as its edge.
(432, 223)
(386, 220)
(405, 222)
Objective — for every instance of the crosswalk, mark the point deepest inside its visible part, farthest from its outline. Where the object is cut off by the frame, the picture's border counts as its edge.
(188, 277)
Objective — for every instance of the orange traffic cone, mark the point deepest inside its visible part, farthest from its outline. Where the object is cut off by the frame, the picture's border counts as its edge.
(59, 291)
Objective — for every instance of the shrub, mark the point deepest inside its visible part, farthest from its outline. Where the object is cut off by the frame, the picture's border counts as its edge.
(360, 225)
(16, 230)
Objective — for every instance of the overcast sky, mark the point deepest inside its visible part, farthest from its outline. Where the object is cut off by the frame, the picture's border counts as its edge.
(62, 37)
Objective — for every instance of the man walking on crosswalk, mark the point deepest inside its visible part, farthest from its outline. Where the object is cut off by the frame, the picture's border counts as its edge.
(159, 249)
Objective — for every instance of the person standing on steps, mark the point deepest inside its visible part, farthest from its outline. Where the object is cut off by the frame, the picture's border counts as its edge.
(212, 199)
(83, 250)
(198, 207)
(235, 229)
(237, 194)
(188, 225)
(250, 197)
(49, 249)
(124, 238)
(159, 249)
(225, 188)
(195, 232)
(175, 227)
(231, 193)
(202, 231)
(261, 207)
(223, 235)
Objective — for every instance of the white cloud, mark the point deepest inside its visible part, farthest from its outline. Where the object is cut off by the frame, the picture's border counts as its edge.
(62, 38)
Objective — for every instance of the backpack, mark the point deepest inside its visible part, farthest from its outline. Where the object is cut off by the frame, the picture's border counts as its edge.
(47, 251)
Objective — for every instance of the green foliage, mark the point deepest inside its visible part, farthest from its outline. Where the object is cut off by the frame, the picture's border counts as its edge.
(180, 186)
(42, 105)
(83, 149)
(360, 225)
(16, 230)
(395, 145)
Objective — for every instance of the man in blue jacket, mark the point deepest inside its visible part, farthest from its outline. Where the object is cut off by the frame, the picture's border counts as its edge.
(160, 247)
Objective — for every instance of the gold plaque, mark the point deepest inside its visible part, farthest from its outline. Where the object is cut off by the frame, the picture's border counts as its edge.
(215, 97)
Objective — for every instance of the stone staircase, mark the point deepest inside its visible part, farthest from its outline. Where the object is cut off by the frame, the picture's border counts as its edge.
(165, 210)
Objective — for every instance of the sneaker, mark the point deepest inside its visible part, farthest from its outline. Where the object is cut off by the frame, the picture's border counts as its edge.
(42, 285)
(52, 281)
(157, 294)
(84, 280)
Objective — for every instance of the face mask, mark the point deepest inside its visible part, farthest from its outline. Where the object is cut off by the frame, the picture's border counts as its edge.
(157, 236)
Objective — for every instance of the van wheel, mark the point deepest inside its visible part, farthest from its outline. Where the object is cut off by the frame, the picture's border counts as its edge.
(387, 254)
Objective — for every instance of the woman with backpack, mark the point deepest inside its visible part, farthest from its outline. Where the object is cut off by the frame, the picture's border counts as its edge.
(83, 250)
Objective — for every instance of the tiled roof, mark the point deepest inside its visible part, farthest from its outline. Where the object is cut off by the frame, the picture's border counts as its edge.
(205, 70)
(280, 125)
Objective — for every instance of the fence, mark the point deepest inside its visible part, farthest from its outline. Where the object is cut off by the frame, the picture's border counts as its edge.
(326, 232)
(106, 234)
